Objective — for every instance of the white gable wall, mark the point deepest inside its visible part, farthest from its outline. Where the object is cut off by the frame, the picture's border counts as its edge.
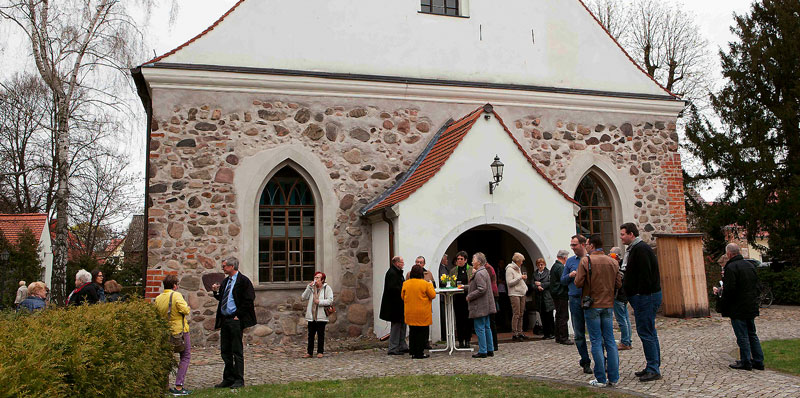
(529, 42)
(457, 199)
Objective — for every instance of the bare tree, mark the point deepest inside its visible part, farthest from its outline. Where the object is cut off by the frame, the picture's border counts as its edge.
(664, 39)
(26, 173)
(74, 44)
(107, 192)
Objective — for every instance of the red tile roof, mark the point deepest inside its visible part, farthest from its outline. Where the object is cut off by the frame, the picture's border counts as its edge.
(12, 225)
(218, 21)
(431, 160)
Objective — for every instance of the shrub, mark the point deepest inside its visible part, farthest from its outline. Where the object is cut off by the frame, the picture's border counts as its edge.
(109, 350)
(784, 284)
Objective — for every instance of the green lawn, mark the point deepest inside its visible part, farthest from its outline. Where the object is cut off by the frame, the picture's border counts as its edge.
(472, 386)
(782, 355)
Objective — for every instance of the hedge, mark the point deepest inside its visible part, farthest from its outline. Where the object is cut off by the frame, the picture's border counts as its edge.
(785, 284)
(108, 350)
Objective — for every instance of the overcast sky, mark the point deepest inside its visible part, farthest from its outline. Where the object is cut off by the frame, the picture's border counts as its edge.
(713, 16)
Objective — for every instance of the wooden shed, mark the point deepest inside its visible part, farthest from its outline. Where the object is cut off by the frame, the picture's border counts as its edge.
(683, 278)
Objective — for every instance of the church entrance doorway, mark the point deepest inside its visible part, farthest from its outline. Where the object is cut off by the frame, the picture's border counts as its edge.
(499, 245)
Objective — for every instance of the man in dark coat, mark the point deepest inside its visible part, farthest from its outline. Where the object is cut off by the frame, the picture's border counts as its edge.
(235, 312)
(642, 285)
(392, 309)
(560, 296)
(740, 303)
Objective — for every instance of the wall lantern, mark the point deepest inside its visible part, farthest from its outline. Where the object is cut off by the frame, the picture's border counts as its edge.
(4, 256)
(497, 173)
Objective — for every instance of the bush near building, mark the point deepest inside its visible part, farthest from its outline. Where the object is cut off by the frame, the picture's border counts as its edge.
(784, 283)
(104, 350)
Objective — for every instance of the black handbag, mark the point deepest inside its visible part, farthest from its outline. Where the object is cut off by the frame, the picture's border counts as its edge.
(177, 340)
(587, 300)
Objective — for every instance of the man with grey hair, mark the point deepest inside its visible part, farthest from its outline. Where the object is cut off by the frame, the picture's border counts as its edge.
(85, 291)
(235, 313)
(392, 306)
(739, 302)
(560, 295)
(22, 294)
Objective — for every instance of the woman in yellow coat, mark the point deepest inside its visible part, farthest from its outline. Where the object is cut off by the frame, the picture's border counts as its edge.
(417, 295)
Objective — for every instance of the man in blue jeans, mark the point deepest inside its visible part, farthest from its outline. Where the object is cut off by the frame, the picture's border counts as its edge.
(739, 302)
(642, 285)
(599, 277)
(578, 246)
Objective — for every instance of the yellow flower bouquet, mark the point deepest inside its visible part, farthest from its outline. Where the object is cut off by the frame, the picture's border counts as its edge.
(448, 281)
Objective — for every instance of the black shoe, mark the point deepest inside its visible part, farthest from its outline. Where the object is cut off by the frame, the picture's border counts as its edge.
(523, 337)
(395, 353)
(640, 373)
(548, 337)
(515, 338)
(490, 354)
(404, 351)
(758, 366)
(423, 356)
(236, 385)
(223, 384)
(741, 366)
(479, 355)
(588, 369)
(650, 376)
(566, 342)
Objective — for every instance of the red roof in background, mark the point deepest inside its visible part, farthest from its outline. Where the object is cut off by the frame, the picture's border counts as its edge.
(12, 225)
(436, 154)
(218, 21)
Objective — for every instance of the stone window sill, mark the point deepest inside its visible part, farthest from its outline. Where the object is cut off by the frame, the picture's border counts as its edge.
(443, 15)
(280, 286)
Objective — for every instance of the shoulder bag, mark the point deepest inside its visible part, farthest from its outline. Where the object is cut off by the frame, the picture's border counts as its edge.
(329, 309)
(177, 340)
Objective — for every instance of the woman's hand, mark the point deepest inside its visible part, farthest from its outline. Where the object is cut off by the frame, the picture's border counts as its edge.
(524, 277)
(538, 283)
(541, 288)
(316, 301)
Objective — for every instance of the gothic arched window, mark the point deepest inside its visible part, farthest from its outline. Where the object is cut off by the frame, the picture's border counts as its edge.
(286, 229)
(595, 216)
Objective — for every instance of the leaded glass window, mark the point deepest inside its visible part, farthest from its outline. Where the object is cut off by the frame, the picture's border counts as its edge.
(286, 246)
(441, 7)
(595, 216)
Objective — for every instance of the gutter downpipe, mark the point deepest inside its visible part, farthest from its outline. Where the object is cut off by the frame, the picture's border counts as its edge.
(391, 234)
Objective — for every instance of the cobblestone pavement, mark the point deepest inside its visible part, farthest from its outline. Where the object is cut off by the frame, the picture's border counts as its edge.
(695, 356)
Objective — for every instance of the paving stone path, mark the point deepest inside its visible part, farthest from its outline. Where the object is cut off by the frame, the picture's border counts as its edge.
(695, 356)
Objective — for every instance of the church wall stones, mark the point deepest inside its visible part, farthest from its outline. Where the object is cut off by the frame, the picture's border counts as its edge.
(199, 140)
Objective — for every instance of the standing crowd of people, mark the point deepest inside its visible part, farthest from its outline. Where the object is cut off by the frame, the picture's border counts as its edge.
(590, 289)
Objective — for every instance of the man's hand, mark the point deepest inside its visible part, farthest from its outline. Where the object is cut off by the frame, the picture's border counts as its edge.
(573, 273)
(538, 283)
(215, 287)
(541, 288)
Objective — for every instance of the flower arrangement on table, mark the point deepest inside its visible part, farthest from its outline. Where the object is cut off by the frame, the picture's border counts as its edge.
(448, 281)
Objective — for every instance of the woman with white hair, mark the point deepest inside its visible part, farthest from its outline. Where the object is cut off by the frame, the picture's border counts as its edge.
(37, 292)
(85, 291)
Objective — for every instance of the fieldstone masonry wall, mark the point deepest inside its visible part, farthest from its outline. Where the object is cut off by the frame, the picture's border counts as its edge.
(648, 151)
(194, 223)
(195, 151)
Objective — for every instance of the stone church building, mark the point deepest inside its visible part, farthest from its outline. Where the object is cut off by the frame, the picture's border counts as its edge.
(329, 135)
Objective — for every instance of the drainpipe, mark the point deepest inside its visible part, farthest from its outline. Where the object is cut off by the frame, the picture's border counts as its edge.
(391, 235)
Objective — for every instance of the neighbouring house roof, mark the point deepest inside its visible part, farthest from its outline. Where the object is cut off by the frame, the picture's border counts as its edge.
(221, 45)
(134, 239)
(12, 225)
(436, 153)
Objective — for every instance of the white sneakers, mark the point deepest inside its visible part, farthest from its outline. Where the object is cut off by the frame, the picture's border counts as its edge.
(595, 383)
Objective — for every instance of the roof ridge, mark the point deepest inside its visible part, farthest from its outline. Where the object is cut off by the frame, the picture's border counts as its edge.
(625, 52)
(201, 34)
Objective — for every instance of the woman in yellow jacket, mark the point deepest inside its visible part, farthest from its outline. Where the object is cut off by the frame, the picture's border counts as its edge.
(177, 324)
(417, 295)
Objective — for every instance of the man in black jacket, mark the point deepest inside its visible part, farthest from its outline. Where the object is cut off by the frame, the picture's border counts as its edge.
(392, 307)
(235, 312)
(740, 303)
(560, 295)
(642, 285)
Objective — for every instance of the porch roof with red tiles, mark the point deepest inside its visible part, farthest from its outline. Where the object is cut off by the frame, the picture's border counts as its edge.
(12, 225)
(438, 151)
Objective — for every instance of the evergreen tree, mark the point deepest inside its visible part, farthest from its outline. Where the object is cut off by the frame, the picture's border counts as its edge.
(756, 151)
(23, 265)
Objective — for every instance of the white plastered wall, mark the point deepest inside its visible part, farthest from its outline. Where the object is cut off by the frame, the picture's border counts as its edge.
(457, 198)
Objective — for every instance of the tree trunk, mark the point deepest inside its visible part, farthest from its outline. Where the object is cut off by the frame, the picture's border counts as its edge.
(61, 244)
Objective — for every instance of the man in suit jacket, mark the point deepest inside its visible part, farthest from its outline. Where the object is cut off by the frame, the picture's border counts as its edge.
(642, 285)
(740, 303)
(392, 307)
(235, 312)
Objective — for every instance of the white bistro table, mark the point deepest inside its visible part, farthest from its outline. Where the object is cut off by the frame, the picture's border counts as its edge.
(450, 320)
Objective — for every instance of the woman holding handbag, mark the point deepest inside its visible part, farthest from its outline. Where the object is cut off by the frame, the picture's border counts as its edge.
(320, 305)
(171, 305)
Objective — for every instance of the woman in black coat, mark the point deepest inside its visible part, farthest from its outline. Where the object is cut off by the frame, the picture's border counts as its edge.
(544, 301)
